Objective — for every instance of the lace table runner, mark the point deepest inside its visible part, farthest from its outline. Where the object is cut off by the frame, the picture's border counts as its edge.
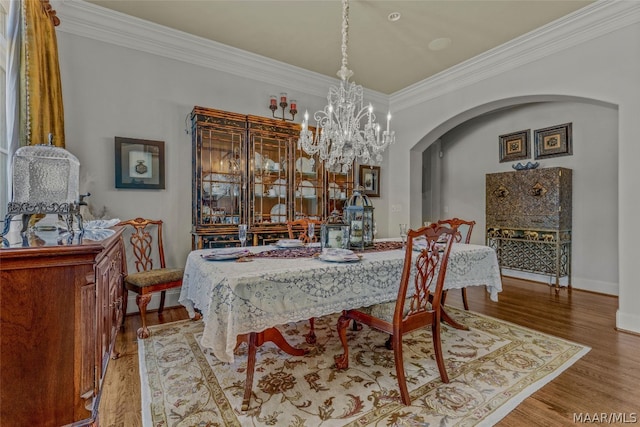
(311, 251)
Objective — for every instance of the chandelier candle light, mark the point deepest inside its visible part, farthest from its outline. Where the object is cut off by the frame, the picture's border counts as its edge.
(339, 139)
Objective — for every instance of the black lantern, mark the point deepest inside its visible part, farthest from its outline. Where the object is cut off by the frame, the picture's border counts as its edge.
(335, 233)
(358, 213)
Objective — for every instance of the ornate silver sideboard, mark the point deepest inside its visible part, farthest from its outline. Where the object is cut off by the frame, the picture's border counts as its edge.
(528, 220)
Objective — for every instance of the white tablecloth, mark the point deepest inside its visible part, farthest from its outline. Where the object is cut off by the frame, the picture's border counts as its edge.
(241, 297)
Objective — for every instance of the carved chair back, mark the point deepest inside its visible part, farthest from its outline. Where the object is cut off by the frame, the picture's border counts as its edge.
(144, 248)
(462, 227)
(428, 272)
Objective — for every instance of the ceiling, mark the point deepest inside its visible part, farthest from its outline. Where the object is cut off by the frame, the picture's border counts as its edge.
(385, 56)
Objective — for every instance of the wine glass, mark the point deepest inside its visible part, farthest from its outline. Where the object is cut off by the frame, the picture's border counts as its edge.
(403, 234)
(242, 234)
(311, 229)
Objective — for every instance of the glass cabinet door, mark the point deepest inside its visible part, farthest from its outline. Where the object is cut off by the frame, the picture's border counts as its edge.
(269, 179)
(339, 187)
(308, 186)
(220, 159)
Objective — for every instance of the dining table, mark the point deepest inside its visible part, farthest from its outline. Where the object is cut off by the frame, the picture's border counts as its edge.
(244, 298)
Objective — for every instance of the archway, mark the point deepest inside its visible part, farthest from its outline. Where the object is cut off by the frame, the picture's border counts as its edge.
(595, 124)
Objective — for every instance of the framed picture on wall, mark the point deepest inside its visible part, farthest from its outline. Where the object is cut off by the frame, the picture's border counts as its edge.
(514, 146)
(370, 180)
(553, 141)
(139, 163)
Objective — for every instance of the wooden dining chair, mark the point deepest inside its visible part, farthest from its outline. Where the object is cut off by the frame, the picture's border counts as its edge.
(298, 229)
(146, 272)
(463, 231)
(413, 309)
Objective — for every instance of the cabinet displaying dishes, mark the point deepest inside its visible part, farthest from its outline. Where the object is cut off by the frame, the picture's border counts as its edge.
(339, 187)
(249, 170)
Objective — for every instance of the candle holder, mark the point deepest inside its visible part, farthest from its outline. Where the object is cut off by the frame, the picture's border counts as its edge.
(273, 106)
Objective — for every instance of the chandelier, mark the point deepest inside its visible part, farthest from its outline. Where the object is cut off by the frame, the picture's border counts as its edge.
(346, 129)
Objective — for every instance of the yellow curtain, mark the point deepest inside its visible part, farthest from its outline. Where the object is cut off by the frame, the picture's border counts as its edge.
(41, 92)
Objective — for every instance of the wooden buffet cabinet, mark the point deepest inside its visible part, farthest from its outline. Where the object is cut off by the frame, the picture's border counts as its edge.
(528, 219)
(60, 310)
(249, 170)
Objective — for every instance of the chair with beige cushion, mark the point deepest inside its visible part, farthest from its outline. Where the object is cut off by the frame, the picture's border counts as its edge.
(146, 272)
(463, 231)
(418, 303)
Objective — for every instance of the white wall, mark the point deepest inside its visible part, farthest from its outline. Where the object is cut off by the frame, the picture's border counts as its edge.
(605, 68)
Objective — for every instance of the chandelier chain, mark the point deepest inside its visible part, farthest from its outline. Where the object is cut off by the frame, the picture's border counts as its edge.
(344, 70)
(346, 129)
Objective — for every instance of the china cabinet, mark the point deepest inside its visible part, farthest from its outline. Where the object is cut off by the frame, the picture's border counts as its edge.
(528, 220)
(249, 170)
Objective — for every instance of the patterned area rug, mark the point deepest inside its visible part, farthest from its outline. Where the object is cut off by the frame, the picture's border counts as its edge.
(492, 367)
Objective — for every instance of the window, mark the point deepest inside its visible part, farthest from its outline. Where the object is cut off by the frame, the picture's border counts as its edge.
(4, 144)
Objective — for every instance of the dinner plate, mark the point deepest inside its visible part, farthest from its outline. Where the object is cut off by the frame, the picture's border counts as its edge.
(268, 165)
(306, 189)
(289, 243)
(226, 254)
(339, 258)
(97, 234)
(280, 185)
(304, 165)
(215, 184)
(339, 255)
(334, 190)
(100, 223)
(279, 213)
(258, 188)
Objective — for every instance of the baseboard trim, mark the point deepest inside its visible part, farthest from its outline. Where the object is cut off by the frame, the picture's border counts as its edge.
(600, 287)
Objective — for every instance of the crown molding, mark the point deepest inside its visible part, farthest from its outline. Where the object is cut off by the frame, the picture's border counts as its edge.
(585, 24)
(88, 20)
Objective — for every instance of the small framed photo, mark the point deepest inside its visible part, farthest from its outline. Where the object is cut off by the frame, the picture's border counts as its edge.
(139, 163)
(370, 180)
(553, 141)
(514, 146)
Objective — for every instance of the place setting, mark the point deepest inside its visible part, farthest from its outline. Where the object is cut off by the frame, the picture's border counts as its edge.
(289, 243)
(240, 254)
(339, 255)
(226, 254)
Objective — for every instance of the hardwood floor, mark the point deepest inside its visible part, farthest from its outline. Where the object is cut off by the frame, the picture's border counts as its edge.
(604, 381)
